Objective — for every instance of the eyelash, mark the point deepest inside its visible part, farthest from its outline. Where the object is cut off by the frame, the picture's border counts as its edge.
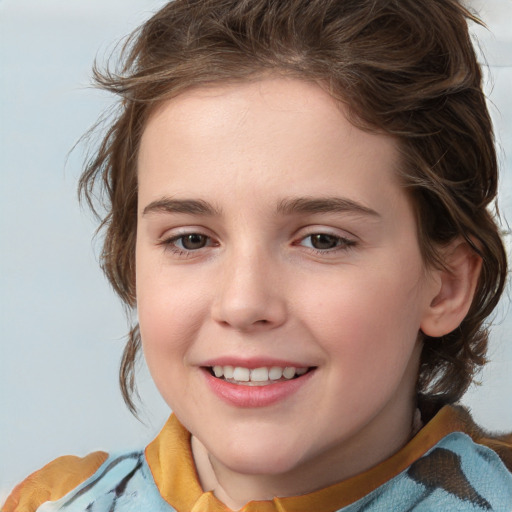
(170, 244)
(343, 243)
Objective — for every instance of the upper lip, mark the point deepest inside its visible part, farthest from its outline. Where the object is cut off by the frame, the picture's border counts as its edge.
(253, 362)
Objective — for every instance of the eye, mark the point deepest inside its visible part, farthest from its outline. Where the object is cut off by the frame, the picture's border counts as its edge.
(186, 243)
(326, 242)
(191, 242)
(323, 241)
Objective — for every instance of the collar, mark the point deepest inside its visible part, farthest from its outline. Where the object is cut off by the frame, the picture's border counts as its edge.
(170, 460)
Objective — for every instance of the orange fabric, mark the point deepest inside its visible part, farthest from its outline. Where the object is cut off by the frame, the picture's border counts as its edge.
(52, 482)
(170, 460)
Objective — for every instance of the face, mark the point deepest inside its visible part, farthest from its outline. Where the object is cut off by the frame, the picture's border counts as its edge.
(280, 286)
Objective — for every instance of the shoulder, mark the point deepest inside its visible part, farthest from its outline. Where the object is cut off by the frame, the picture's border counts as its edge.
(53, 481)
(459, 471)
(458, 454)
(467, 465)
(500, 443)
(98, 482)
(441, 421)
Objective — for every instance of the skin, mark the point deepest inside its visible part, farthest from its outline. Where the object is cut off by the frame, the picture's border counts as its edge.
(258, 285)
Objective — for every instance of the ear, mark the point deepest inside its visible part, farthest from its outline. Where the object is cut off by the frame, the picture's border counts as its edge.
(455, 289)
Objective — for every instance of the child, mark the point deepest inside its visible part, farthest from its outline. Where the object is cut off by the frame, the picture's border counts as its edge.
(298, 197)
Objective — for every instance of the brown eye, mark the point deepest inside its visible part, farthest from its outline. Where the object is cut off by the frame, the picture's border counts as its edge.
(323, 241)
(193, 241)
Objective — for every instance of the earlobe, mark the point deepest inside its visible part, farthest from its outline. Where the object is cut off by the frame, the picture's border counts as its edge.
(456, 285)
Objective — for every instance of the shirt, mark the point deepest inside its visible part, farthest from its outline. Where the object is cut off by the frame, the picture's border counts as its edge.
(449, 465)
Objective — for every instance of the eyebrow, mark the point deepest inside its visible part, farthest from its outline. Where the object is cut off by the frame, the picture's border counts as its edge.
(323, 205)
(190, 206)
(296, 205)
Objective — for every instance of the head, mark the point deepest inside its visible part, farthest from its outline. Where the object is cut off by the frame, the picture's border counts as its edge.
(405, 70)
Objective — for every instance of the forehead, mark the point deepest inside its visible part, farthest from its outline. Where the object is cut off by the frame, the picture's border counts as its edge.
(261, 135)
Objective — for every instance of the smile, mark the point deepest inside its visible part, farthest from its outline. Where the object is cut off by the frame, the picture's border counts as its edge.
(262, 376)
(259, 386)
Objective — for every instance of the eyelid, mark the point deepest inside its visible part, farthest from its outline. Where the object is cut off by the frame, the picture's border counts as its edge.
(168, 239)
(179, 231)
(318, 229)
(345, 243)
(348, 240)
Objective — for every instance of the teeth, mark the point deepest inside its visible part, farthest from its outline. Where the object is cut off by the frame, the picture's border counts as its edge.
(275, 373)
(259, 375)
(263, 374)
(289, 372)
(242, 374)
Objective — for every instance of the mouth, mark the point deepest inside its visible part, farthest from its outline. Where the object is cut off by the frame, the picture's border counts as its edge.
(262, 376)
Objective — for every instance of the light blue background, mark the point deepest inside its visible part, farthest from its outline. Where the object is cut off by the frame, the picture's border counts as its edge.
(61, 326)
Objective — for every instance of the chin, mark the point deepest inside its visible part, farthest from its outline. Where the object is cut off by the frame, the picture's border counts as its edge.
(259, 459)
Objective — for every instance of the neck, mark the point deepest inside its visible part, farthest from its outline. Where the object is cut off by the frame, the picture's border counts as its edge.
(334, 465)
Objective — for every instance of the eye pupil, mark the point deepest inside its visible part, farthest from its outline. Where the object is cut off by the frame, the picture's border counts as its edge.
(193, 241)
(324, 241)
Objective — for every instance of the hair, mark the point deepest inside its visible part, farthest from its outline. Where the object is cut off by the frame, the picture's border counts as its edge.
(406, 68)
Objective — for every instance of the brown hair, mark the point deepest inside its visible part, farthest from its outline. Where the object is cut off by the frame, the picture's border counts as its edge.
(402, 67)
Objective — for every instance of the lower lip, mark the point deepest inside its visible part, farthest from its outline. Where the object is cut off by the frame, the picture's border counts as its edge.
(255, 396)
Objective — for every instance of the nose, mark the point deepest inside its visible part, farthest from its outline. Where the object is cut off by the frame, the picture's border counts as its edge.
(251, 294)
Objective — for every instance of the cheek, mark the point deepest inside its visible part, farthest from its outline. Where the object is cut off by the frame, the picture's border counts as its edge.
(166, 320)
(173, 305)
(166, 323)
(371, 349)
(370, 325)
